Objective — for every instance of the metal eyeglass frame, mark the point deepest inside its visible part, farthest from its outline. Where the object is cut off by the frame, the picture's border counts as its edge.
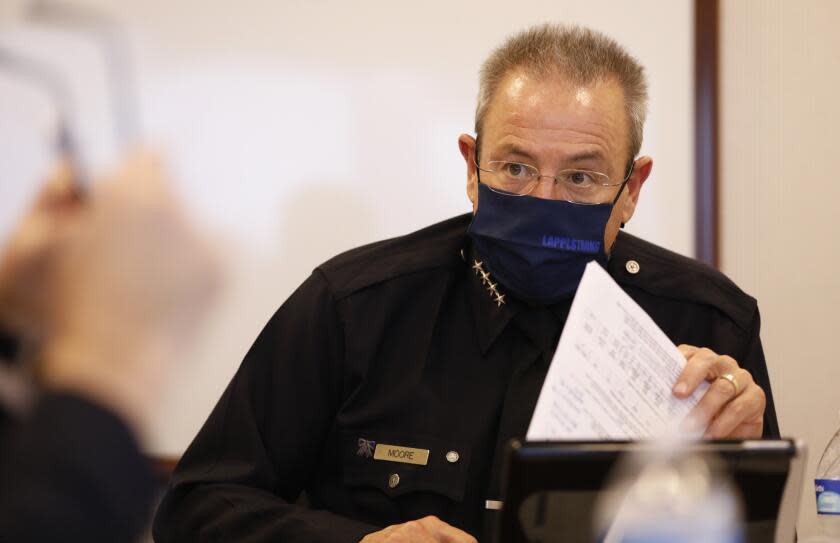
(631, 164)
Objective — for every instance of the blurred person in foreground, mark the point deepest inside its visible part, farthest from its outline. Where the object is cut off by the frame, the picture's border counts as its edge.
(388, 384)
(99, 295)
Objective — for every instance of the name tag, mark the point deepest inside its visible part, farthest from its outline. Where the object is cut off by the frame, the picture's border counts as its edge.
(406, 455)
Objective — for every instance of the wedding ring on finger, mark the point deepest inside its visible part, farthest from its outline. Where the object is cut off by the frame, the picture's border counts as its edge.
(731, 378)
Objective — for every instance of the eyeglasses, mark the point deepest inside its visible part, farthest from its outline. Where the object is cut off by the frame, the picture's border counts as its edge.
(520, 179)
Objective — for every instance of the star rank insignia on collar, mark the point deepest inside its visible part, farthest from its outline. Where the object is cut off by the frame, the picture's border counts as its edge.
(486, 280)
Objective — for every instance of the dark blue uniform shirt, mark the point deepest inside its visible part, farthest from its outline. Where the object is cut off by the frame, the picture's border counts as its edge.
(400, 343)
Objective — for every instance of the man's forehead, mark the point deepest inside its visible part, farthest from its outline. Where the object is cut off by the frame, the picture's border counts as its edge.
(524, 90)
(554, 104)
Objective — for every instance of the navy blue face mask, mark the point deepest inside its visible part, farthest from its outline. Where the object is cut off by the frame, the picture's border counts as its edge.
(538, 248)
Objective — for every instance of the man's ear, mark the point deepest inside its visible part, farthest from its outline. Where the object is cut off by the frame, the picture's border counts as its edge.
(641, 171)
(466, 144)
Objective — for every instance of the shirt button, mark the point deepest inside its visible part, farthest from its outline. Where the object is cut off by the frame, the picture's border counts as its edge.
(393, 480)
(452, 457)
(632, 267)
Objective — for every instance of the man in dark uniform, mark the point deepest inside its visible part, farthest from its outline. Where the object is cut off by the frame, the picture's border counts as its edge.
(387, 384)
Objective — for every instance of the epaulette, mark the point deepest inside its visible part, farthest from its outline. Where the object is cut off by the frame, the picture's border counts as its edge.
(658, 271)
(436, 246)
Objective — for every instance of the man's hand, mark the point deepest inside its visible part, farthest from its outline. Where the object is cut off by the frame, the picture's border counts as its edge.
(28, 256)
(127, 285)
(425, 530)
(733, 406)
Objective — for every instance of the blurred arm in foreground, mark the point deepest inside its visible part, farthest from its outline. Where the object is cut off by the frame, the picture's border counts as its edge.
(109, 289)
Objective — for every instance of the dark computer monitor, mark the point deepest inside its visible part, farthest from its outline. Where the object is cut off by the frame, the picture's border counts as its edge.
(550, 489)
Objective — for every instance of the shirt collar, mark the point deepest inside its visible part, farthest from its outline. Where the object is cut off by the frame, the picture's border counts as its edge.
(543, 325)
(490, 317)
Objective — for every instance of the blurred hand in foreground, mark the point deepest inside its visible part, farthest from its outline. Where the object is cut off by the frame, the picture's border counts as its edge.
(29, 254)
(113, 285)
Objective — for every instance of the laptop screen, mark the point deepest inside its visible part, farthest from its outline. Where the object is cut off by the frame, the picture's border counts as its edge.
(550, 490)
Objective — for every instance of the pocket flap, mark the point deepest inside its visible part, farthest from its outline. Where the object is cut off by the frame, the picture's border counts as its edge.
(400, 463)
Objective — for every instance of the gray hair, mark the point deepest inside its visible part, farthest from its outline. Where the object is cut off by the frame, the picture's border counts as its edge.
(578, 54)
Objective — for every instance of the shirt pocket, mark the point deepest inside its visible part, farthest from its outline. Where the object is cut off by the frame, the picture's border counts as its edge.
(396, 463)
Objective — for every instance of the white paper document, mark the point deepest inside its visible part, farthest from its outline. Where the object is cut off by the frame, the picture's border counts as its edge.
(612, 374)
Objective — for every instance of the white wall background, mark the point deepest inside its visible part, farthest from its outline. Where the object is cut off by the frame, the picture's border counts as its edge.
(298, 129)
(780, 189)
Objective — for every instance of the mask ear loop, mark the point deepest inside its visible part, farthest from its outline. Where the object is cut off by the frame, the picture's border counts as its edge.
(623, 183)
(475, 161)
